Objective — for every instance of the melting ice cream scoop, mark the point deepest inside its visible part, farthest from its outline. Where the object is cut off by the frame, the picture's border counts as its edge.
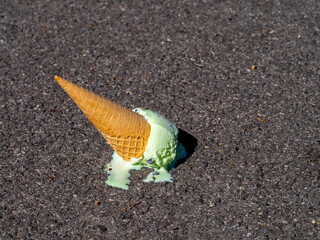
(140, 138)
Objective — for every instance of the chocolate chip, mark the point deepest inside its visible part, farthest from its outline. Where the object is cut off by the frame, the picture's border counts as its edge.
(150, 161)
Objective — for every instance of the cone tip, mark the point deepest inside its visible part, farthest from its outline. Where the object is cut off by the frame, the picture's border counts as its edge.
(61, 81)
(58, 79)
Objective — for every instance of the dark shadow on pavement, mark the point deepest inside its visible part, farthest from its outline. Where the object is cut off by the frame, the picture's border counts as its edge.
(189, 143)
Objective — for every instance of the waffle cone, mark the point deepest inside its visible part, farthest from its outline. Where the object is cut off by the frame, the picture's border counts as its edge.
(126, 131)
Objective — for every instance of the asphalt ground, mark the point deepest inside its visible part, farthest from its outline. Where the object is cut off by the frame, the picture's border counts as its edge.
(240, 78)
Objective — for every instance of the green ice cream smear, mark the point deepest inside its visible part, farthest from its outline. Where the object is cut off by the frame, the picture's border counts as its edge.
(161, 152)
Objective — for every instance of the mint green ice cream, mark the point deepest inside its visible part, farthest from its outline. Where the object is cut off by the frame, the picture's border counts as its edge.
(162, 151)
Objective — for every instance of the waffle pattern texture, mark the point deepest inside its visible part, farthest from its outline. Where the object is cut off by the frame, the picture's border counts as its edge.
(126, 131)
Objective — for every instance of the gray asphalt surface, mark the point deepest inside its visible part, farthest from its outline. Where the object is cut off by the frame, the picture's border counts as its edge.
(254, 173)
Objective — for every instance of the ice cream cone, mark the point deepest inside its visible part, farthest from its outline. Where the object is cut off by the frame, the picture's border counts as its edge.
(126, 131)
